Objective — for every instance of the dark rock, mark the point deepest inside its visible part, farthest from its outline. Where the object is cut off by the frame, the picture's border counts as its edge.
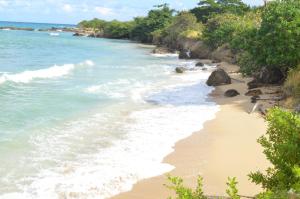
(215, 61)
(231, 93)
(270, 76)
(199, 64)
(204, 69)
(254, 92)
(180, 69)
(184, 54)
(254, 99)
(254, 84)
(218, 77)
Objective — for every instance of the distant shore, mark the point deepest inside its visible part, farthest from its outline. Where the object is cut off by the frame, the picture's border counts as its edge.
(226, 147)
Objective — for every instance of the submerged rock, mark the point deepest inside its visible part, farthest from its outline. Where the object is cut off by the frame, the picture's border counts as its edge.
(231, 93)
(161, 50)
(180, 69)
(254, 92)
(218, 77)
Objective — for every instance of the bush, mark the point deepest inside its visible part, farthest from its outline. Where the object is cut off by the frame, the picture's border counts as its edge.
(292, 85)
(282, 148)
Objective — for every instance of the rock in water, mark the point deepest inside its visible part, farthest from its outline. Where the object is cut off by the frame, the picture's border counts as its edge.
(184, 54)
(218, 77)
(231, 93)
(180, 69)
(199, 64)
(254, 92)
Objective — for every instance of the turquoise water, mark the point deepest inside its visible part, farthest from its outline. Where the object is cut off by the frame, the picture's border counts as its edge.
(87, 118)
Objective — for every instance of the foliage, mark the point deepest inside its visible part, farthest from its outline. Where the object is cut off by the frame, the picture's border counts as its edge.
(97, 24)
(232, 190)
(277, 41)
(282, 148)
(183, 192)
(208, 8)
(184, 25)
(233, 29)
(116, 29)
(157, 19)
(292, 85)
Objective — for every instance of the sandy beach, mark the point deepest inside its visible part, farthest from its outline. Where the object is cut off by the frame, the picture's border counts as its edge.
(226, 147)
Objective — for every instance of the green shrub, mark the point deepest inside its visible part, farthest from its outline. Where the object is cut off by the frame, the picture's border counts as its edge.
(282, 148)
(232, 190)
(183, 192)
(116, 29)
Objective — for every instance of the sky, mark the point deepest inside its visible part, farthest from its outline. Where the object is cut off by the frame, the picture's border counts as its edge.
(74, 11)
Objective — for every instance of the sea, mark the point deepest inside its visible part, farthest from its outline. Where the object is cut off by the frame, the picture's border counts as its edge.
(87, 118)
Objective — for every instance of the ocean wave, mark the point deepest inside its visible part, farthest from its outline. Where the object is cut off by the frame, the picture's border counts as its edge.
(47, 73)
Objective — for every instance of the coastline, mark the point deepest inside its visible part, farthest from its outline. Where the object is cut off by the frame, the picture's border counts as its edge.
(226, 147)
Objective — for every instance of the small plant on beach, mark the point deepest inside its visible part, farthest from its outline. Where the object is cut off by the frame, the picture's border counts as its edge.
(183, 192)
(232, 190)
(282, 148)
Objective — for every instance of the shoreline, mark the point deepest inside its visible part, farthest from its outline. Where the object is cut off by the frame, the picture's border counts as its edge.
(224, 148)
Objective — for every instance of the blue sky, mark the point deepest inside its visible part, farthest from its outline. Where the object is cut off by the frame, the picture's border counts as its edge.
(73, 11)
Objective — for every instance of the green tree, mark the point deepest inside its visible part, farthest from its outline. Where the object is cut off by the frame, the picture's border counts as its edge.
(118, 30)
(157, 19)
(277, 41)
(282, 148)
(208, 8)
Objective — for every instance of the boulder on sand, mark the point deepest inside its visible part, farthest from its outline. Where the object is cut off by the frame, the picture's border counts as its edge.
(231, 93)
(218, 77)
(255, 92)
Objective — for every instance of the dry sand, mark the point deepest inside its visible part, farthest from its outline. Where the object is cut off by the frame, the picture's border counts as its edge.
(226, 146)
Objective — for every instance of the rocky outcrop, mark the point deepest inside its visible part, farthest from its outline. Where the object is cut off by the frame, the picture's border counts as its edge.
(218, 77)
(231, 93)
(255, 92)
(199, 50)
(180, 69)
(223, 53)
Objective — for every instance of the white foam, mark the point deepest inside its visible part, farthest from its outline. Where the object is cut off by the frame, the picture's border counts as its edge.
(47, 73)
(105, 163)
(165, 55)
(54, 34)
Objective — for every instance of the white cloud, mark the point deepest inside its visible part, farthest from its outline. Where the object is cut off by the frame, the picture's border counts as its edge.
(103, 10)
(67, 8)
(3, 3)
